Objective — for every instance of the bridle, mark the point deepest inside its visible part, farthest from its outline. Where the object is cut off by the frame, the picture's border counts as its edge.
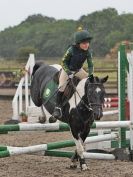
(89, 106)
(92, 105)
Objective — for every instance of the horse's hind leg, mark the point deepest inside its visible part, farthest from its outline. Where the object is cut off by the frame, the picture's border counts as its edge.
(42, 119)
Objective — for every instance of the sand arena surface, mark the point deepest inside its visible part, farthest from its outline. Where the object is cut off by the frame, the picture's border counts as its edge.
(41, 166)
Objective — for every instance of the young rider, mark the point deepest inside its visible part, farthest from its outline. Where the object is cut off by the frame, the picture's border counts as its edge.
(72, 62)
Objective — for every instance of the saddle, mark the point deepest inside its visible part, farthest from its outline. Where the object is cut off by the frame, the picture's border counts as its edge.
(69, 90)
(52, 87)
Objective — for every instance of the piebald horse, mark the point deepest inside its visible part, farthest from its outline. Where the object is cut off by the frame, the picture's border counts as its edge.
(44, 86)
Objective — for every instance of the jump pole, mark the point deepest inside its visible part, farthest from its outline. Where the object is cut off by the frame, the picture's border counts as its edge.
(6, 151)
(113, 99)
(62, 154)
(110, 112)
(110, 105)
(61, 126)
(87, 155)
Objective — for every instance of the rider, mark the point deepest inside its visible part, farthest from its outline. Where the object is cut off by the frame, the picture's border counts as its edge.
(72, 62)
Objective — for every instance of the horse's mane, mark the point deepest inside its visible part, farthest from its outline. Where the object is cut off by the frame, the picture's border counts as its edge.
(36, 67)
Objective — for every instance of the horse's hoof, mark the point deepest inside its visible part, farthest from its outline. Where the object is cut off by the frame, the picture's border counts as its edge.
(84, 167)
(52, 119)
(73, 166)
(42, 119)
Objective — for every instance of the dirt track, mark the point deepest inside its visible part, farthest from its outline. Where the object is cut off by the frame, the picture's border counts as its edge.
(40, 166)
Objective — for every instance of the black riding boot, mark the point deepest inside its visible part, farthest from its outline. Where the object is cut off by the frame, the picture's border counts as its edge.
(57, 111)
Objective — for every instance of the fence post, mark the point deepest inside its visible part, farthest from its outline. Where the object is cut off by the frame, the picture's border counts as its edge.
(121, 93)
(32, 63)
(17, 102)
(15, 110)
(20, 99)
(130, 80)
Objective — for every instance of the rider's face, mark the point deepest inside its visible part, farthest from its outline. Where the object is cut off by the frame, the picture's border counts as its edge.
(84, 45)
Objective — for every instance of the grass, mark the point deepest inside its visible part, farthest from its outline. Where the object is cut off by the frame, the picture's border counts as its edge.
(102, 66)
(11, 65)
(98, 62)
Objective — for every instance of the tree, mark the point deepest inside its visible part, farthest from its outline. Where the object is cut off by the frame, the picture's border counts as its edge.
(24, 52)
(50, 37)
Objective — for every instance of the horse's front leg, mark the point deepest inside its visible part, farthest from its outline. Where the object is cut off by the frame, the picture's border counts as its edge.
(78, 155)
(77, 127)
(74, 160)
(79, 141)
(80, 151)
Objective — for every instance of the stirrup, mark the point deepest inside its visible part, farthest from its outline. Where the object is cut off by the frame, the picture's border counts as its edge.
(57, 112)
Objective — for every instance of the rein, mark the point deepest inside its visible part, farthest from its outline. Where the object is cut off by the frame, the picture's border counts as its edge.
(90, 109)
(88, 106)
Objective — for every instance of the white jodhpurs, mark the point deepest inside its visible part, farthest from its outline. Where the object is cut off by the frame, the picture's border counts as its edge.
(81, 74)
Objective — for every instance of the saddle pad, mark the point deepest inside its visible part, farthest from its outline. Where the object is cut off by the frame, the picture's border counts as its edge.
(49, 93)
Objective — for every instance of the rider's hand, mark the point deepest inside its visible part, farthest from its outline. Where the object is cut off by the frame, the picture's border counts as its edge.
(70, 74)
(91, 76)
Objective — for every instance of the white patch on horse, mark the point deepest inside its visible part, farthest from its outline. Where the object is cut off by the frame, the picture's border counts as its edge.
(80, 89)
(79, 147)
(98, 89)
(58, 67)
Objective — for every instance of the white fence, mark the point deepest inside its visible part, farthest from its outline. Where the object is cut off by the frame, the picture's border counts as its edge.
(130, 90)
(18, 104)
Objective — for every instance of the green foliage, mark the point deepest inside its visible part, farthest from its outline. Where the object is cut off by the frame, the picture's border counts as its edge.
(48, 37)
(113, 37)
(24, 52)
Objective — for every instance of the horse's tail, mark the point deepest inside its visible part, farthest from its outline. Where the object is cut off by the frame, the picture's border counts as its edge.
(36, 67)
(34, 89)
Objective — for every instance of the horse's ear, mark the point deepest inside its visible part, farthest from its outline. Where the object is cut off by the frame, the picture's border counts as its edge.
(91, 79)
(97, 79)
(104, 79)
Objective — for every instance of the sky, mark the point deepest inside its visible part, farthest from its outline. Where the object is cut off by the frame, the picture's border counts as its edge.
(13, 12)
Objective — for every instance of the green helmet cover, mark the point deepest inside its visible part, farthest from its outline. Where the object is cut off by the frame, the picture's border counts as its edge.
(81, 36)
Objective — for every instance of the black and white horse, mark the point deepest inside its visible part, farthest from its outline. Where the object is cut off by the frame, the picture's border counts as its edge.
(81, 117)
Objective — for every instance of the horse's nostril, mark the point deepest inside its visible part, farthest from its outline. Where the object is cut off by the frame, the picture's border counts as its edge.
(98, 115)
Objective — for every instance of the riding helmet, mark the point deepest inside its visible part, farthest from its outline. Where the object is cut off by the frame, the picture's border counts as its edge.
(82, 36)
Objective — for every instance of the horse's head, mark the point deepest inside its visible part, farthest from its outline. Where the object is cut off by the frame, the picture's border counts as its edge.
(95, 92)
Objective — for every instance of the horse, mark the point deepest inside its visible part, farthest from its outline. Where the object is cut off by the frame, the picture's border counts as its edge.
(79, 118)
